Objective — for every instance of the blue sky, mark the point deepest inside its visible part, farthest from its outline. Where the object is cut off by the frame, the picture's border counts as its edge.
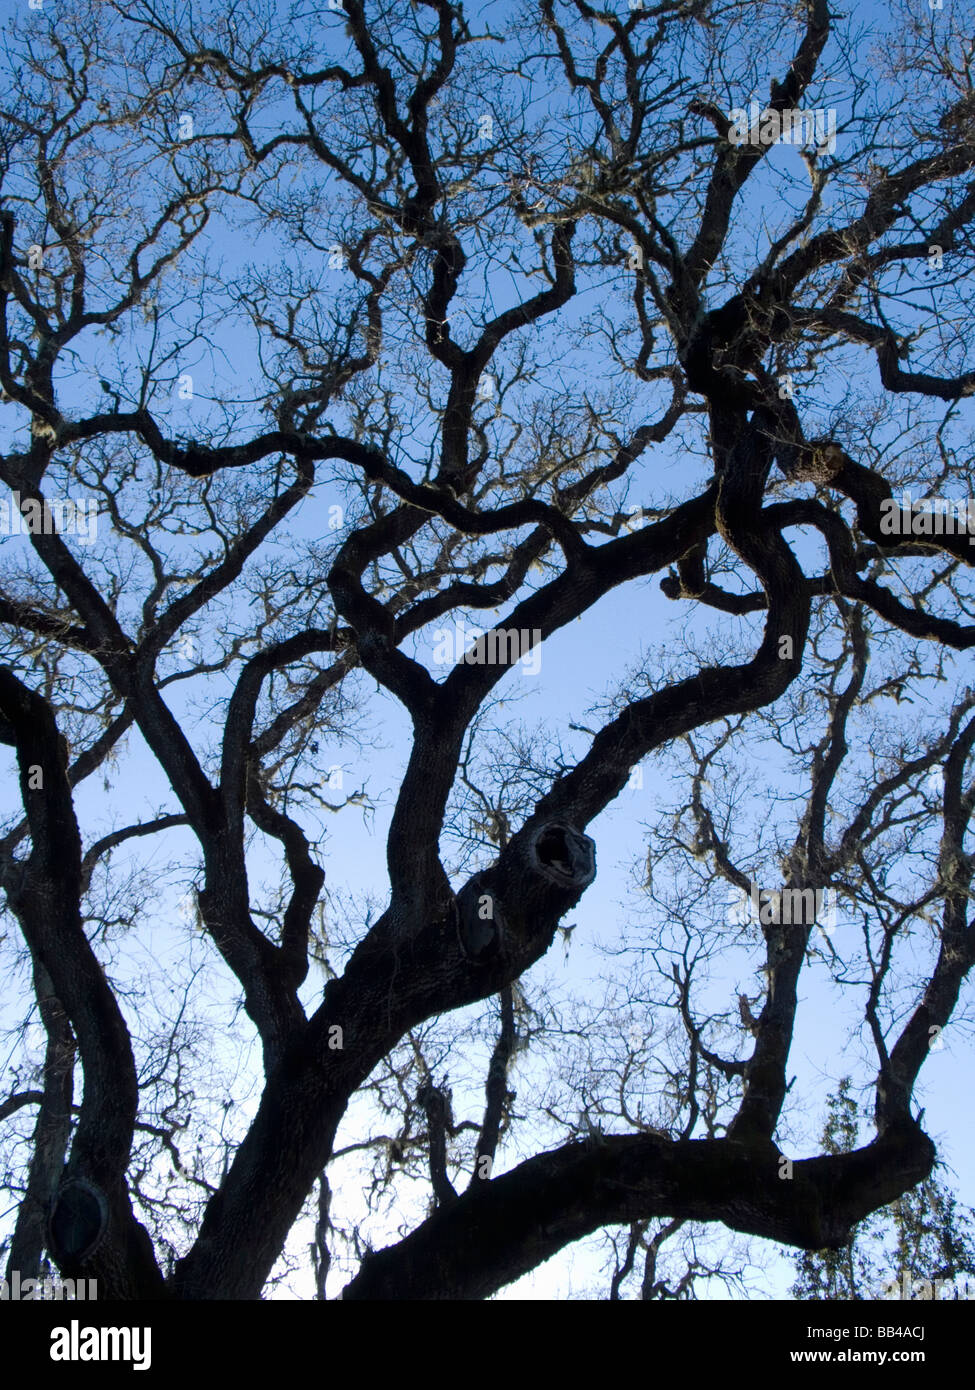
(632, 628)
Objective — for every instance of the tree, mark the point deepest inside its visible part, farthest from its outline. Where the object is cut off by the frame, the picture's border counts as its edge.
(924, 1235)
(361, 329)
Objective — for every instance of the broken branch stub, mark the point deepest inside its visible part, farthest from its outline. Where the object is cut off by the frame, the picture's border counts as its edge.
(557, 854)
(78, 1220)
(563, 855)
(480, 921)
